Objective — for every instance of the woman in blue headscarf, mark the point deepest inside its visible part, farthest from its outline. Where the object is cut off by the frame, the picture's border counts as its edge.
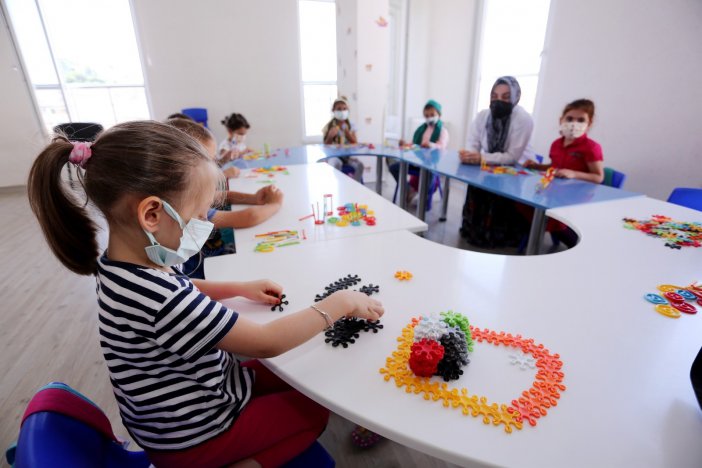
(499, 135)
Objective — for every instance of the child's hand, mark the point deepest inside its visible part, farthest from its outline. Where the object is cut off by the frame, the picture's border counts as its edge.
(231, 172)
(269, 194)
(426, 145)
(265, 291)
(356, 303)
(529, 164)
(565, 174)
(334, 131)
(402, 143)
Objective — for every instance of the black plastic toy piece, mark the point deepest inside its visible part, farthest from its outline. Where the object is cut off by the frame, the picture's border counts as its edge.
(347, 330)
(370, 289)
(280, 304)
(455, 355)
(342, 283)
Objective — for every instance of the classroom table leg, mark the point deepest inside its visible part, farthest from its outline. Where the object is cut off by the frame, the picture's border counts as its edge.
(423, 191)
(444, 202)
(402, 180)
(379, 175)
(536, 233)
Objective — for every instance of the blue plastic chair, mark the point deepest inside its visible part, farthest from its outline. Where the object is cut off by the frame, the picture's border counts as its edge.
(688, 197)
(49, 438)
(198, 114)
(613, 178)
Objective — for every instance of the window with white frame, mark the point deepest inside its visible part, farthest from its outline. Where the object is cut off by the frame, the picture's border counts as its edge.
(82, 59)
(513, 33)
(318, 63)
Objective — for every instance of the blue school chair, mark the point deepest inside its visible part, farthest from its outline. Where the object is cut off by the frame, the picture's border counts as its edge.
(63, 428)
(688, 197)
(613, 178)
(198, 114)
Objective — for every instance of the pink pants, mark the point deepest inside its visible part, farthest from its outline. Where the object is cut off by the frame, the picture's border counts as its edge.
(275, 426)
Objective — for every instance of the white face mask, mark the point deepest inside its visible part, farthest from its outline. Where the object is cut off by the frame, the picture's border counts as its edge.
(432, 120)
(238, 142)
(573, 129)
(195, 234)
(341, 114)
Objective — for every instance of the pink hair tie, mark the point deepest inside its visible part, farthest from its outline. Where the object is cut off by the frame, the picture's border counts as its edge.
(80, 154)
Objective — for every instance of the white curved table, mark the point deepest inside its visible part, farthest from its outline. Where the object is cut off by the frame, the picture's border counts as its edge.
(628, 401)
(306, 184)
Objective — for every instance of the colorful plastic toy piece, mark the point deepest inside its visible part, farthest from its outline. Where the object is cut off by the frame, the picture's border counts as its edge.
(403, 275)
(280, 304)
(521, 360)
(667, 310)
(673, 297)
(687, 295)
(370, 289)
(684, 307)
(655, 299)
(425, 357)
(546, 179)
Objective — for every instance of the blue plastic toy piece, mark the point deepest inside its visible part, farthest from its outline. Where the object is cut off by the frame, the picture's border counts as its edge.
(655, 299)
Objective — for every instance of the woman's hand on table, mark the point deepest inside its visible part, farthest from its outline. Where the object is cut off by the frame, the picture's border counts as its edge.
(469, 157)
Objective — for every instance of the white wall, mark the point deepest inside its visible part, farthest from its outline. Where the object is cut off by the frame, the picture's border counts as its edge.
(641, 63)
(228, 56)
(439, 61)
(21, 137)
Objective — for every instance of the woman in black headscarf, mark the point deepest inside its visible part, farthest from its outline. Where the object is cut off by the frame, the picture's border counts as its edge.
(499, 135)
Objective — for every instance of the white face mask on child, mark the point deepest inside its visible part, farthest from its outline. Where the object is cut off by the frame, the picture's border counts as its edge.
(341, 114)
(573, 129)
(195, 234)
(432, 120)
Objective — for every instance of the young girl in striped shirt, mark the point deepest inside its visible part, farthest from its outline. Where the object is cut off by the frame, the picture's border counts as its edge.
(169, 345)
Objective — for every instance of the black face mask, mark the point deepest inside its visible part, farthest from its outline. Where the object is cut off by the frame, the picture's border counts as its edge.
(500, 109)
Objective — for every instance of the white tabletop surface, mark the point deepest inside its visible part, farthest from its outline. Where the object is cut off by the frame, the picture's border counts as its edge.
(307, 184)
(628, 401)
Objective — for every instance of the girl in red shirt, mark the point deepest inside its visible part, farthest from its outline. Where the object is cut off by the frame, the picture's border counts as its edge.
(574, 155)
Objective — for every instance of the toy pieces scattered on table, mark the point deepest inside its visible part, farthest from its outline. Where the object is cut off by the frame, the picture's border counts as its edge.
(441, 345)
(271, 171)
(268, 241)
(370, 289)
(509, 170)
(676, 234)
(546, 179)
(676, 299)
(353, 214)
(403, 275)
(347, 330)
(280, 304)
(341, 284)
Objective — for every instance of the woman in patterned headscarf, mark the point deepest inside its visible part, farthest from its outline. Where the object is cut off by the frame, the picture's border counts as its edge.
(499, 135)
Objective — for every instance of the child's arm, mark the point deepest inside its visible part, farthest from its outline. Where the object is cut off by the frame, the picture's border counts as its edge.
(274, 338)
(529, 164)
(262, 290)
(245, 218)
(241, 198)
(595, 174)
(332, 131)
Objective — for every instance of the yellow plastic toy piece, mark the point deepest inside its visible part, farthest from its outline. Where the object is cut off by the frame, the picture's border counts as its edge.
(403, 275)
(667, 310)
(669, 288)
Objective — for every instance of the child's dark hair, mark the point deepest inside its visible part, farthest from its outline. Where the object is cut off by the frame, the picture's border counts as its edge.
(179, 115)
(235, 122)
(142, 158)
(192, 128)
(584, 105)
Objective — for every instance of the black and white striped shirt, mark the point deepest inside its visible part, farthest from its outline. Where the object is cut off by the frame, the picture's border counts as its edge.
(158, 333)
